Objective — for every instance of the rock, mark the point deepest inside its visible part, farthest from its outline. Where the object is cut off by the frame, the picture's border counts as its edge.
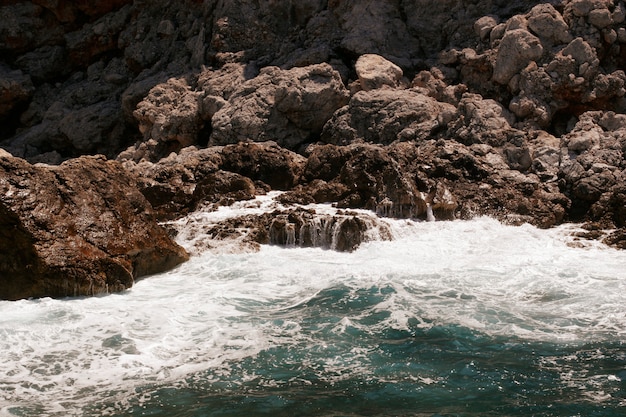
(95, 39)
(582, 53)
(384, 116)
(180, 183)
(374, 72)
(600, 18)
(482, 120)
(170, 113)
(517, 49)
(169, 184)
(290, 227)
(266, 162)
(289, 107)
(372, 26)
(25, 26)
(45, 64)
(81, 228)
(548, 24)
(484, 25)
(16, 89)
(594, 164)
(94, 129)
(360, 176)
(341, 232)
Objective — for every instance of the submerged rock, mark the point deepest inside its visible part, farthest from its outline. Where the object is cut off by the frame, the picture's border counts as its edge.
(81, 228)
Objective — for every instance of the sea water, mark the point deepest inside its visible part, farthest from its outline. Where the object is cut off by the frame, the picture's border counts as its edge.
(461, 318)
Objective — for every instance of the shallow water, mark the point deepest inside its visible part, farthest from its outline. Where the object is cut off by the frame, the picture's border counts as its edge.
(451, 318)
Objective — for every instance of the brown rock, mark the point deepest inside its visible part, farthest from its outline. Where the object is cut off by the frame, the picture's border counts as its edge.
(81, 228)
(374, 72)
(384, 116)
(266, 162)
(170, 113)
(517, 49)
(289, 107)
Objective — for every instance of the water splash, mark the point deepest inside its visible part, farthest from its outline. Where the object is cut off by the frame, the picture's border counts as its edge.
(479, 316)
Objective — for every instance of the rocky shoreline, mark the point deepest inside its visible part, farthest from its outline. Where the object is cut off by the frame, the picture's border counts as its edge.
(403, 108)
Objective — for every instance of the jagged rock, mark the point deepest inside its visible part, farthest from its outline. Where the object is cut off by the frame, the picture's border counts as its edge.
(484, 26)
(94, 39)
(433, 83)
(594, 163)
(384, 116)
(360, 176)
(289, 107)
(374, 72)
(45, 63)
(517, 49)
(169, 184)
(266, 162)
(548, 24)
(482, 120)
(180, 183)
(26, 26)
(170, 113)
(373, 26)
(81, 228)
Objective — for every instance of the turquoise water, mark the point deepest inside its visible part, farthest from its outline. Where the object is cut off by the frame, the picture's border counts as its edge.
(450, 319)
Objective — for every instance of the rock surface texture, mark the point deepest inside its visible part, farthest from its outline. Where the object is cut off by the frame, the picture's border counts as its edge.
(81, 228)
(406, 108)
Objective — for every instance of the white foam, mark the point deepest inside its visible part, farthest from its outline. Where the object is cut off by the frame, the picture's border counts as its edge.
(220, 308)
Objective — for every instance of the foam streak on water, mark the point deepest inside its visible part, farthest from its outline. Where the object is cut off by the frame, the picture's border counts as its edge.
(459, 317)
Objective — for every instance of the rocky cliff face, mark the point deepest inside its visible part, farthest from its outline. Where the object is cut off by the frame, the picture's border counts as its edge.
(511, 109)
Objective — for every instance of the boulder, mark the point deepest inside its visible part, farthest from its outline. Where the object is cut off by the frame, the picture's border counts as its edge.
(81, 228)
(289, 107)
(547, 23)
(180, 183)
(170, 113)
(383, 116)
(268, 163)
(374, 71)
(517, 49)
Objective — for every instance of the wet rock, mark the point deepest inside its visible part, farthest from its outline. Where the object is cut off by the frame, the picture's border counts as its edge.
(266, 162)
(81, 228)
(329, 229)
